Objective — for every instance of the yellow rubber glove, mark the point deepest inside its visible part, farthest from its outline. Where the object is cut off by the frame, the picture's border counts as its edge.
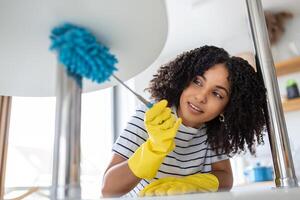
(181, 185)
(161, 127)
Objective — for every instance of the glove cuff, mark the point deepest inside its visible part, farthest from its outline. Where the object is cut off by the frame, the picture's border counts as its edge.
(165, 147)
(145, 162)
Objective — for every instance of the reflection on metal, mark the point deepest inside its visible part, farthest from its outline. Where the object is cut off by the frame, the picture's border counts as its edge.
(116, 114)
(66, 158)
(5, 107)
(280, 147)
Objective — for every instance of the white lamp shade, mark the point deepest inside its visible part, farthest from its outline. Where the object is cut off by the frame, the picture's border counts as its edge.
(135, 31)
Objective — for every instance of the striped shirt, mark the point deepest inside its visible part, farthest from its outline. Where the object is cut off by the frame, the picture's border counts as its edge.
(191, 155)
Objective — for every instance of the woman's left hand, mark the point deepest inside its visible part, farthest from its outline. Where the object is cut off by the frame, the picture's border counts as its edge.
(181, 185)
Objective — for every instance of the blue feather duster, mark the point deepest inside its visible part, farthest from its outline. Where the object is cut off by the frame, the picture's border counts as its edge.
(81, 54)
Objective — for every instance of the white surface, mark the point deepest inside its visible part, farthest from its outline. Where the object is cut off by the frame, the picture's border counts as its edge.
(134, 30)
(265, 194)
(249, 194)
(280, 5)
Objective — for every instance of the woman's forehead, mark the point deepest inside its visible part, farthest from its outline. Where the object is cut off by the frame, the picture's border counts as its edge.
(218, 75)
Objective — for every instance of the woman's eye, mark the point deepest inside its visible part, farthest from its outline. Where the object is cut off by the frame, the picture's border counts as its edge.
(198, 82)
(218, 95)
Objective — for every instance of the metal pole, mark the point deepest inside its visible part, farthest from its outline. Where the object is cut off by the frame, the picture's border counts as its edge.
(282, 158)
(66, 158)
(5, 108)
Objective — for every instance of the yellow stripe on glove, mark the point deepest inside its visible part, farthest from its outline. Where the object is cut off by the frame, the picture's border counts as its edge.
(161, 127)
(181, 185)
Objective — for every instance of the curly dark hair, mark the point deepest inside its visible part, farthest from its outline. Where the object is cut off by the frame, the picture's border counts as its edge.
(245, 121)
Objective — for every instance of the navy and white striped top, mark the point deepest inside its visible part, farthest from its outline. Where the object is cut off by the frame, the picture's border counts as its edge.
(190, 156)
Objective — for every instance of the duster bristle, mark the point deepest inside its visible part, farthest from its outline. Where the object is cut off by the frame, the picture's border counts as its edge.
(81, 54)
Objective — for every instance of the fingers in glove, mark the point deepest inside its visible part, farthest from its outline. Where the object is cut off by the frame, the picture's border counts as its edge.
(149, 189)
(162, 190)
(169, 123)
(206, 182)
(161, 118)
(175, 189)
(155, 110)
(152, 190)
(169, 129)
(176, 127)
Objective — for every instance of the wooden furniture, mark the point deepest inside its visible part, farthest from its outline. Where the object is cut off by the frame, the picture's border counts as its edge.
(291, 104)
(286, 67)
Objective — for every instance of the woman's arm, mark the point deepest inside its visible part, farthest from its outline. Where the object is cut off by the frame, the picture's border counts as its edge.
(222, 170)
(123, 175)
(118, 178)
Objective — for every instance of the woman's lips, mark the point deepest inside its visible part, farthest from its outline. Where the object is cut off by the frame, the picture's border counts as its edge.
(194, 108)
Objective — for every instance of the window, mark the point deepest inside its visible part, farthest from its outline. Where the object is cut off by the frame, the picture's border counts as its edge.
(31, 137)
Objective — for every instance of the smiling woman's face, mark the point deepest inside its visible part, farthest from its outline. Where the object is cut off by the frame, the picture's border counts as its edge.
(205, 97)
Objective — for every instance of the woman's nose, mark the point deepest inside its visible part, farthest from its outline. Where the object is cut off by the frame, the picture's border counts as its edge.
(201, 97)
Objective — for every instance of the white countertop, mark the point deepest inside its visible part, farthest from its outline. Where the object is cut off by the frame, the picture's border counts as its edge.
(253, 191)
(266, 194)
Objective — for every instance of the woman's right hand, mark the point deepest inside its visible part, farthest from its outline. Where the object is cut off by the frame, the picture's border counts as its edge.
(123, 175)
(162, 127)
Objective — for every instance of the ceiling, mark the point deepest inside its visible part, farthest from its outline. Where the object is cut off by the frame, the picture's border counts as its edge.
(193, 23)
(279, 5)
